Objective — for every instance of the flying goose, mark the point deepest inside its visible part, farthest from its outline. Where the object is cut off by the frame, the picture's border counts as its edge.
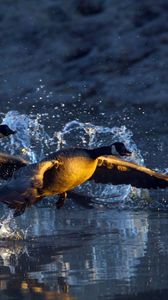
(63, 170)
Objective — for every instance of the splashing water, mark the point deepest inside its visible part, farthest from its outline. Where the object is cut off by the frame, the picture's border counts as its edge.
(88, 135)
(33, 141)
(30, 139)
(8, 228)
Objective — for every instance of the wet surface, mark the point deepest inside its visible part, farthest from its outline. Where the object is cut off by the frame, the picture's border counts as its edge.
(81, 254)
(107, 252)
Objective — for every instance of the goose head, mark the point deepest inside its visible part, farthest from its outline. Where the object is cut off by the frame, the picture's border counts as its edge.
(118, 148)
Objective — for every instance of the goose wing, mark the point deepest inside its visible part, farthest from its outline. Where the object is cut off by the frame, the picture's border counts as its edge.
(114, 170)
(25, 188)
(9, 164)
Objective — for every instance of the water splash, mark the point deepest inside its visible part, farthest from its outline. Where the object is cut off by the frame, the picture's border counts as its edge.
(9, 228)
(32, 141)
(80, 134)
(30, 138)
(29, 142)
(89, 135)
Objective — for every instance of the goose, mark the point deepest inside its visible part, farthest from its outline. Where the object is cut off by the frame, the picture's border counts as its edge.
(5, 130)
(62, 171)
(9, 163)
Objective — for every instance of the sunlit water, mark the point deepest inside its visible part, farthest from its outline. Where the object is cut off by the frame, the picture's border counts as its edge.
(80, 253)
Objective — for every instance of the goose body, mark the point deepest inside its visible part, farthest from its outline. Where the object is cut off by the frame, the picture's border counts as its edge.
(75, 167)
(62, 171)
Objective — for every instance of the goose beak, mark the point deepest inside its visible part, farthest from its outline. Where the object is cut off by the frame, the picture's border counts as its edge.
(11, 131)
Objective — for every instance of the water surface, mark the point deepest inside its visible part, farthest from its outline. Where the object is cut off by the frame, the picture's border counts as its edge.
(105, 252)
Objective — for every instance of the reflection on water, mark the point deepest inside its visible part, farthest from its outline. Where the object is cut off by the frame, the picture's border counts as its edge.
(68, 252)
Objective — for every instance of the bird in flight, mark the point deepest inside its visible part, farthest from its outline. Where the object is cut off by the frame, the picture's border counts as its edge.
(62, 171)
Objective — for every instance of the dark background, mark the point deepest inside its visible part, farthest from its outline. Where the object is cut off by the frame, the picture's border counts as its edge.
(101, 53)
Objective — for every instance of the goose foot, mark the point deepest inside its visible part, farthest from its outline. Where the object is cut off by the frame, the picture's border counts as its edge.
(61, 200)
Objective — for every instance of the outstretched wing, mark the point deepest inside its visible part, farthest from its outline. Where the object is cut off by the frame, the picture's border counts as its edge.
(26, 188)
(9, 164)
(117, 171)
